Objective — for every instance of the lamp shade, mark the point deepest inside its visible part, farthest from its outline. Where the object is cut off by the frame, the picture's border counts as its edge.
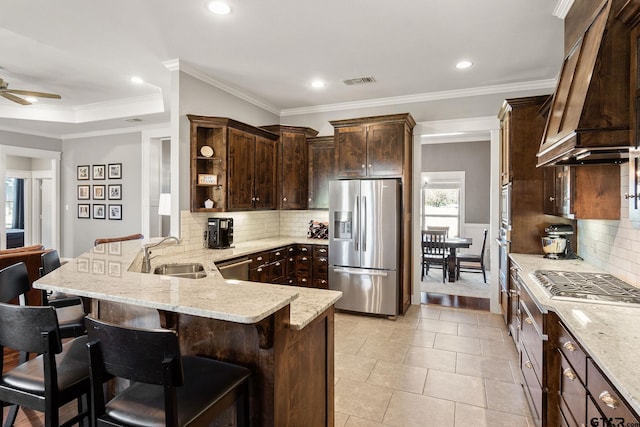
(164, 206)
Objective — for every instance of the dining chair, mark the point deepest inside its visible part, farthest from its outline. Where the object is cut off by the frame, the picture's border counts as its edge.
(100, 240)
(166, 388)
(438, 228)
(434, 251)
(473, 263)
(59, 375)
(70, 309)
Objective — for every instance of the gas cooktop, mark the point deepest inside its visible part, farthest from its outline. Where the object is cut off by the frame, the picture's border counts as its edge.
(588, 287)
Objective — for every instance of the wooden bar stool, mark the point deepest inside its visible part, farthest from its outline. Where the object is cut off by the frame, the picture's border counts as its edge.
(166, 388)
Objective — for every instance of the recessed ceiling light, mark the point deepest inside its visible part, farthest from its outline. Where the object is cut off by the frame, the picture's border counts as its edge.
(137, 80)
(31, 99)
(219, 8)
(464, 64)
(317, 84)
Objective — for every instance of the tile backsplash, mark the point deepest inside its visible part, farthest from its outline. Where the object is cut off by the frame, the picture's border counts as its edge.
(613, 246)
(251, 225)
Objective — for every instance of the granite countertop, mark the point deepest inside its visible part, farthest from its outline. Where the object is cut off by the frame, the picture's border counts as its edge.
(609, 333)
(112, 272)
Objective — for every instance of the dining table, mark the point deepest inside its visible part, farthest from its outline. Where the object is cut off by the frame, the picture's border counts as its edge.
(453, 244)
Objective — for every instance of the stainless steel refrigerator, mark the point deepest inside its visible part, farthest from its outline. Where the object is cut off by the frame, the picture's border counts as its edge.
(364, 244)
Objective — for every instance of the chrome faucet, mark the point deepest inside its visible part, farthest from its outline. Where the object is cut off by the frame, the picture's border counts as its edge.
(146, 259)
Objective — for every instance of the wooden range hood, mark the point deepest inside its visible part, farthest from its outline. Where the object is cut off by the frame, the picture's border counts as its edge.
(589, 116)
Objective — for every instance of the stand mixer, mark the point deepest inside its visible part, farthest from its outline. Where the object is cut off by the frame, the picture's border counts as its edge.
(556, 244)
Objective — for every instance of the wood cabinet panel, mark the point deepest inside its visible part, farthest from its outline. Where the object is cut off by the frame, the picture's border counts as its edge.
(351, 151)
(321, 170)
(292, 183)
(264, 191)
(384, 153)
(241, 160)
(607, 398)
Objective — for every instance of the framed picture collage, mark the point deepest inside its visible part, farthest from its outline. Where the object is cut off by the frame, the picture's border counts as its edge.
(101, 198)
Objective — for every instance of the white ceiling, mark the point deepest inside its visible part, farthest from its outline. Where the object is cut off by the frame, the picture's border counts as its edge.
(268, 49)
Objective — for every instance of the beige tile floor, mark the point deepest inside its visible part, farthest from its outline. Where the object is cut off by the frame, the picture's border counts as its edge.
(435, 366)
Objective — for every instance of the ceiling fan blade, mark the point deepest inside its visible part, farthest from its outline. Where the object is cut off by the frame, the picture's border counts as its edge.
(14, 98)
(32, 93)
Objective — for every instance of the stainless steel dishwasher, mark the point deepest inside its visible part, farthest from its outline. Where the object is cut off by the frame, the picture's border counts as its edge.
(236, 268)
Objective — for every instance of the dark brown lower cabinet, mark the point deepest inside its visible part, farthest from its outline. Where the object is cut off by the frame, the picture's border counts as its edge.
(299, 265)
(583, 394)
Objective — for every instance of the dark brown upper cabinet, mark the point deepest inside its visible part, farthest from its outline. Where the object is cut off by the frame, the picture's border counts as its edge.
(292, 160)
(372, 146)
(241, 172)
(321, 170)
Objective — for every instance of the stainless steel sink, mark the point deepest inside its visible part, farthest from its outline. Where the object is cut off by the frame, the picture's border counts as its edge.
(184, 270)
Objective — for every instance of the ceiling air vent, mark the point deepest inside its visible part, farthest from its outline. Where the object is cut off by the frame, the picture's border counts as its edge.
(359, 81)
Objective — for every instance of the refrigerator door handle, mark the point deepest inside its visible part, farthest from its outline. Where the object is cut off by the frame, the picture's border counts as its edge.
(360, 272)
(364, 224)
(356, 237)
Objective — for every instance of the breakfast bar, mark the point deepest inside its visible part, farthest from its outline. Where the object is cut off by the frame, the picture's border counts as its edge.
(281, 333)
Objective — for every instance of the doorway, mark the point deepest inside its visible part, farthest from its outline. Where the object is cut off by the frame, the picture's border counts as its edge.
(35, 174)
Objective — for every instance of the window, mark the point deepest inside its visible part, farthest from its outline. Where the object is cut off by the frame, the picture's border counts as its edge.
(14, 203)
(10, 195)
(442, 204)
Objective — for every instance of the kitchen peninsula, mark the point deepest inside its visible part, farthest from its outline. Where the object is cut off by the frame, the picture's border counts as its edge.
(281, 333)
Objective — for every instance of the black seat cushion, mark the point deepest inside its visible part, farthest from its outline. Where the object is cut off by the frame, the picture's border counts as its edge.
(205, 382)
(72, 364)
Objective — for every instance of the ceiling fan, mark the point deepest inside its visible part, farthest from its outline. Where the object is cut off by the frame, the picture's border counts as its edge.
(10, 94)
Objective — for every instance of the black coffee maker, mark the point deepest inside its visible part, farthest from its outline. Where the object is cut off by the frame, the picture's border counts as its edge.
(220, 233)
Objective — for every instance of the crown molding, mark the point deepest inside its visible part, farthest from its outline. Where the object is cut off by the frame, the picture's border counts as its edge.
(178, 65)
(423, 97)
(30, 132)
(562, 8)
(118, 131)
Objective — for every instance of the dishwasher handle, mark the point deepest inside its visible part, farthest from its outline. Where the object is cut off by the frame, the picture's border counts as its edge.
(224, 266)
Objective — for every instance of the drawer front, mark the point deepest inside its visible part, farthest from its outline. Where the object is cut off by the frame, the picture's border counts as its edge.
(305, 250)
(320, 251)
(572, 391)
(531, 383)
(594, 416)
(303, 264)
(320, 283)
(304, 281)
(259, 258)
(530, 338)
(277, 254)
(259, 274)
(607, 398)
(321, 267)
(533, 311)
(572, 351)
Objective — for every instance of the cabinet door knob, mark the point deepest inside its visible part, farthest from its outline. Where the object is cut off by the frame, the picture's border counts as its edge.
(628, 196)
(364, 166)
(569, 346)
(284, 199)
(551, 199)
(257, 199)
(528, 364)
(528, 321)
(370, 165)
(608, 400)
(569, 374)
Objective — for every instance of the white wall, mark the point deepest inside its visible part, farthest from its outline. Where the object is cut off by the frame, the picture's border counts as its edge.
(78, 234)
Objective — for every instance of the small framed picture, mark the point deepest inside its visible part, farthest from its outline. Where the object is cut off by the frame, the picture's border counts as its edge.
(98, 192)
(98, 172)
(115, 212)
(115, 192)
(83, 210)
(83, 192)
(99, 249)
(83, 173)
(115, 170)
(99, 211)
